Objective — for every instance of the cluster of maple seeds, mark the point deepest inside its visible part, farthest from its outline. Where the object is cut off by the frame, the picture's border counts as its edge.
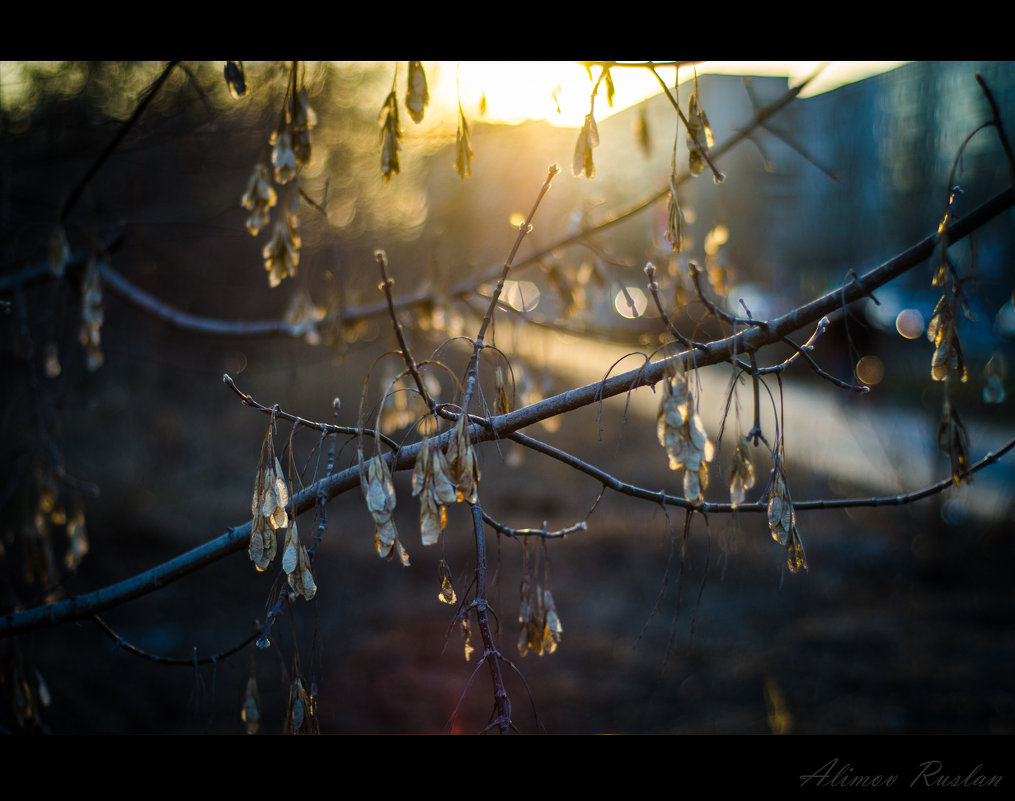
(270, 514)
(541, 629)
(682, 434)
(438, 478)
(290, 150)
(947, 364)
(782, 523)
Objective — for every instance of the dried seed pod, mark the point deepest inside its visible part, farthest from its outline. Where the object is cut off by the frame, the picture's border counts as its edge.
(379, 492)
(463, 148)
(699, 134)
(994, 372)
(300, 716)
(390, 137)
(290, 552)
(953, 442)
(464, 470)
(433, 518)
(447, 593)
(681, 432)
(742, 474)
(501, 404)
(587, 140)
(259, 198)
(781, 517)
(444, 489)
(276, 496)
(301, 577)
(236, 80)
(267, 507)
(250, 713)
(283, 157)
(302, 119)
(674, 220)
(467, 635)
(282, 253)
(530, 636)
(262, 543)
(552, 628)
(795, 558)
(417, 96)
(421, 469)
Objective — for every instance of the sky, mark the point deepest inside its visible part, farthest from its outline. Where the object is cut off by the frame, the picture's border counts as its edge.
(558, 91)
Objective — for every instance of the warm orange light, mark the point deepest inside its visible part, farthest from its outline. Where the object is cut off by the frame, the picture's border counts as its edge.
(870, 370)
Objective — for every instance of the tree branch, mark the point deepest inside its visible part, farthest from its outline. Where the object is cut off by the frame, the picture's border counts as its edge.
(203, 325)
(748, 341)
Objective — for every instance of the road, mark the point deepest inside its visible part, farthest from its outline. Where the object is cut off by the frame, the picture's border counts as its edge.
(853, 438)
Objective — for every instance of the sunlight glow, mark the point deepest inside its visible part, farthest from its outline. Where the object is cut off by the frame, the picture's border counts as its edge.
(559, 91)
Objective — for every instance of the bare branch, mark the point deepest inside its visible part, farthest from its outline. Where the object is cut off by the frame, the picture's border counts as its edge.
(147, 97)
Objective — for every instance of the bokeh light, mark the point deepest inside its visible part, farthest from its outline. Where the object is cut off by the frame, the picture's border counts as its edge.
(521, 296)
(909, 323)
(870, 370)
(630, 302)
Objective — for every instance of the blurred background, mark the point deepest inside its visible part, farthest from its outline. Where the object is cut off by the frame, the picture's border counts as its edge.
(131, 443)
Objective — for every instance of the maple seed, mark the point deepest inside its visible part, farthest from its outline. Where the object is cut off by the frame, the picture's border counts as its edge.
(235, 79)
(447, 593)
(552, 628)
(953, 442)
(379, 492)
(463, 148)
(259, 198)
(464, 470)
(299, 719)
(699, 134)
(587, 140)
(781, 518)
(742, 475)
(390, 136)
(417, 96)
(296, 565)
(433, 485)
(267, 507)
(681, 432)
(795, 558)
(250, 713)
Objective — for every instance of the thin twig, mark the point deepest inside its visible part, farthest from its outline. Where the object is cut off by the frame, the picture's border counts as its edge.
(147, 97)
(327, 428)
(696, 273)
(386, 284)
(653, 288)
(542, 533)
(189, 661)
(491, 655)
(996, 114)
